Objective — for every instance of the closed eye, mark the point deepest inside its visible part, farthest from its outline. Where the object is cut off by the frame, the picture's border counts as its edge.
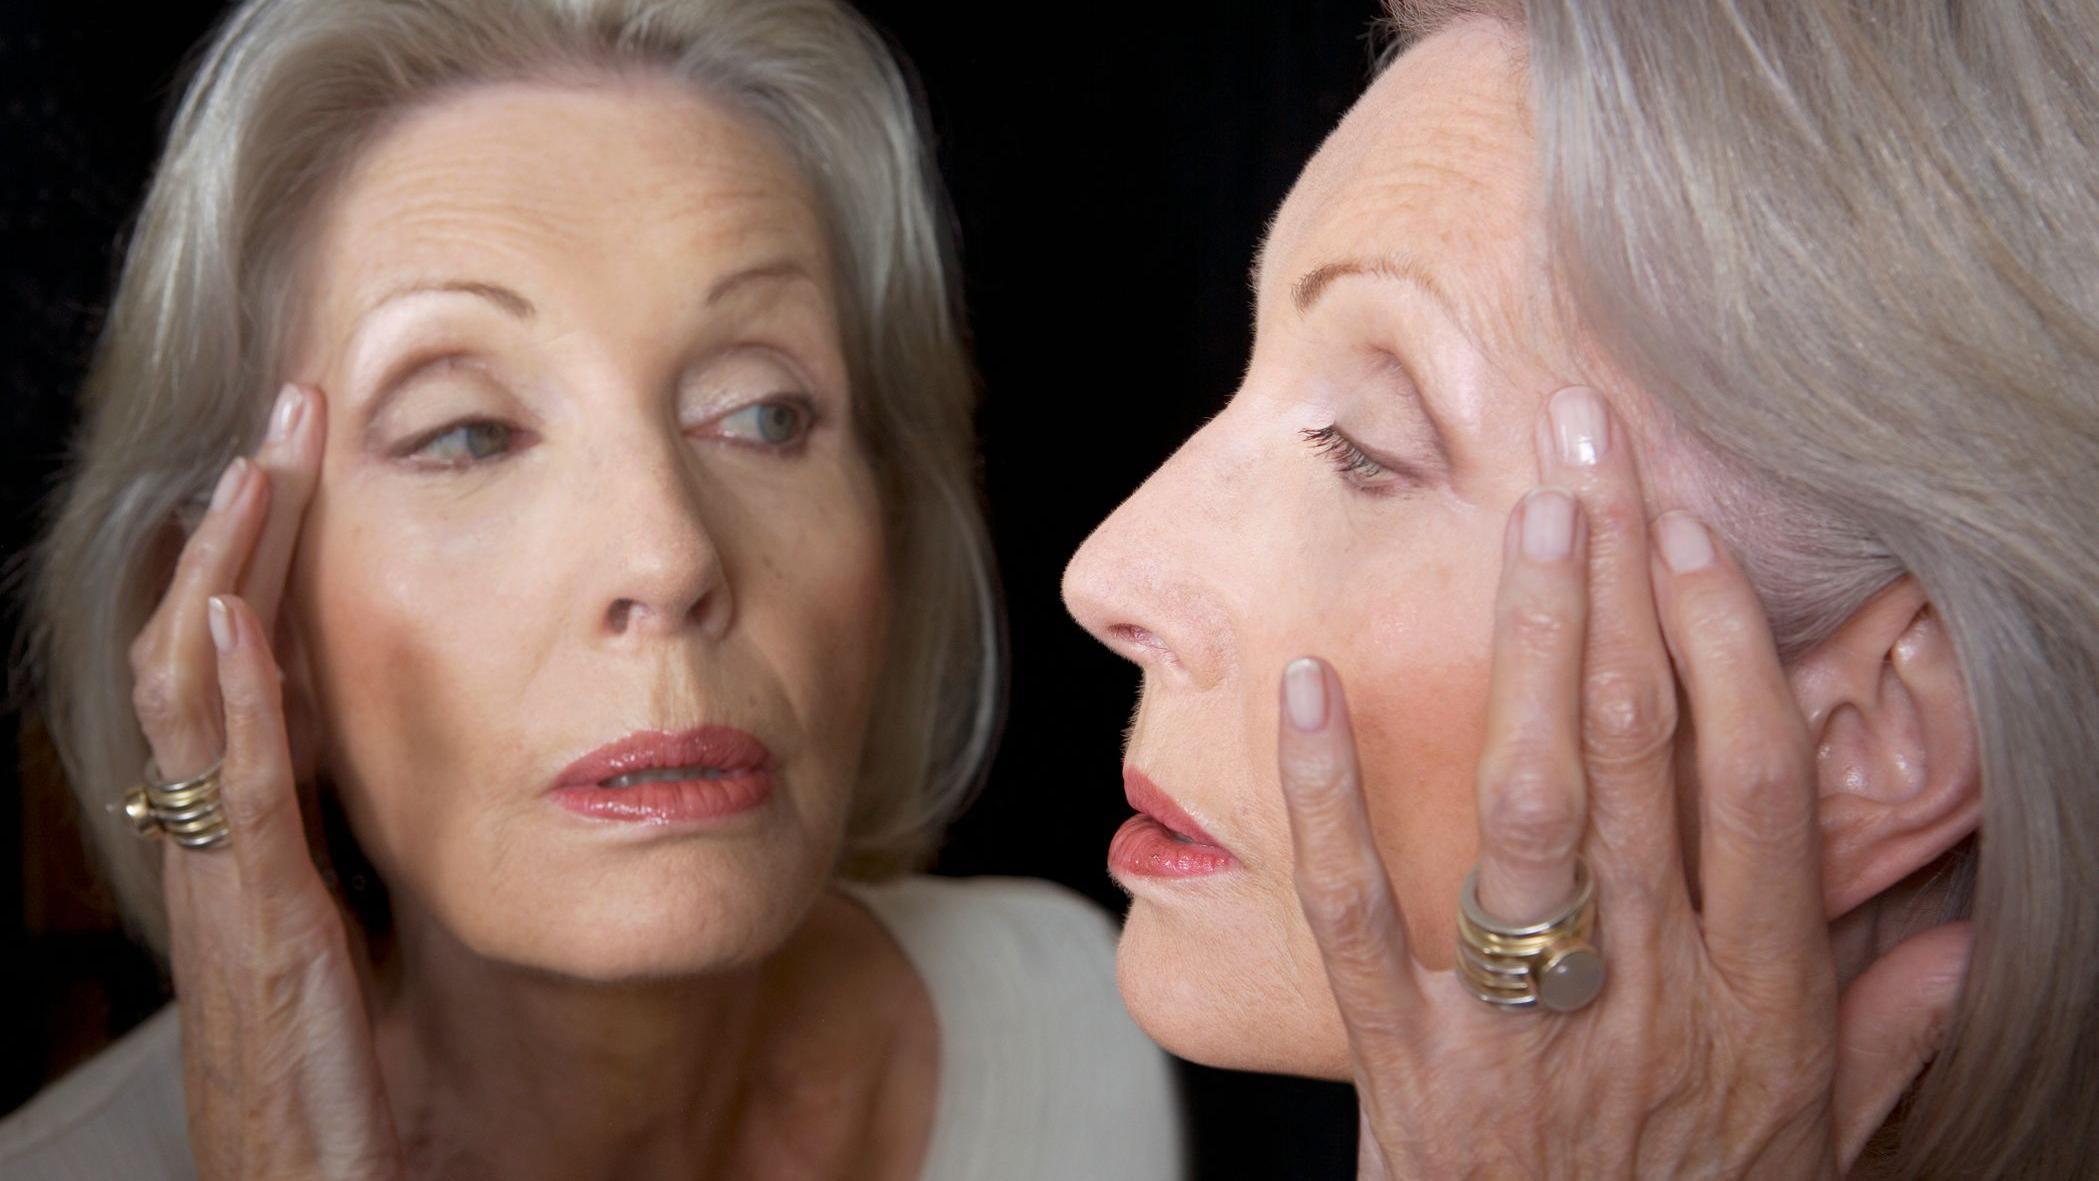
(1371, 474)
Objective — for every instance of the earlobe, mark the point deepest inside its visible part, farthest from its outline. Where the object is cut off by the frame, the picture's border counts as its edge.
(1898, 769)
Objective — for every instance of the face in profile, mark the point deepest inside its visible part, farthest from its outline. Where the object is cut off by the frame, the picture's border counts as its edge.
(1349, 502)
(590, 597)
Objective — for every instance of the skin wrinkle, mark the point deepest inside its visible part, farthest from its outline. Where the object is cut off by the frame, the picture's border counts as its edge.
(1270, 554)
(467, 639)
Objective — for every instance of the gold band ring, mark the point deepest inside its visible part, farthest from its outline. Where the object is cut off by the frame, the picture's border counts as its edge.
(1554, 964)
(186, 812)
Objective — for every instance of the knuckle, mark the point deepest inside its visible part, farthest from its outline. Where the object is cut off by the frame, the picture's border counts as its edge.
(162, 696)
(1720, 631)
(1319, 766)
(1626, 717)
(1535, 629)
(1531, 817)
(1754, 795)
(1344, 909)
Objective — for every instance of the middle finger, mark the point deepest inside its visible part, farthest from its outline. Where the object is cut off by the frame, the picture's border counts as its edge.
(1628, 702)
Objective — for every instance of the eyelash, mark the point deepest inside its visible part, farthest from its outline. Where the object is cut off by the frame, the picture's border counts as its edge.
(1356, 465)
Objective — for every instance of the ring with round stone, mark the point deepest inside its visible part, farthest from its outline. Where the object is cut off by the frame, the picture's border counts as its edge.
(1553, 964)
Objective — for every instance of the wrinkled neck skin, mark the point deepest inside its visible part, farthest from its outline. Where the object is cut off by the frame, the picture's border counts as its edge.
(501, 1072)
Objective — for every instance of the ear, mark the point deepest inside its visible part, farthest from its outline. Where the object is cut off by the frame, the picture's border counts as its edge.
(1898, 768)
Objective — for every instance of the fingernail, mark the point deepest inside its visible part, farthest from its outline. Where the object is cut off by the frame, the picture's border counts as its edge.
(230, 482)
(221, 623)
(1304, 694)
(291, 404)
(1548, 525)
(1686, 546)
(1580, 426)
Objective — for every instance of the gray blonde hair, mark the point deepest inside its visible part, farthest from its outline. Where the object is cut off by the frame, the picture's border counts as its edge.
(1854, 249)
(283, 98)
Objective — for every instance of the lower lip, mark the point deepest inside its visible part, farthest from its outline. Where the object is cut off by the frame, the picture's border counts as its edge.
(677, 801)
(1145, 848)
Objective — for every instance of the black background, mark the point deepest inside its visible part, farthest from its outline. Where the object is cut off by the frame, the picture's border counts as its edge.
(1111, 168)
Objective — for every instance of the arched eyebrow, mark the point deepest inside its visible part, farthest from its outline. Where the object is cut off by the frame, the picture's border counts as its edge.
(495, 293)
(1392, 267)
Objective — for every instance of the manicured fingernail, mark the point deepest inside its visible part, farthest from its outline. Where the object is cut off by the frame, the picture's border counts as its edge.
(1686, 546)
(291, 404)
(1548, 525)
(1580, 427)
(236, 474)
(1304, 694)
(221, 623)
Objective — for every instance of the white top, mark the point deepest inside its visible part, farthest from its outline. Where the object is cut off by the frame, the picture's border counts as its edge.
(1043, 1077)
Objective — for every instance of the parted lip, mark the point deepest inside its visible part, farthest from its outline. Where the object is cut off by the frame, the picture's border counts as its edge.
(719, 748)
(1147, 798)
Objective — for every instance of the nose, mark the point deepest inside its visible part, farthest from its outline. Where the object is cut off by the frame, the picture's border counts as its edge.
(1148, 582)
(660, 569)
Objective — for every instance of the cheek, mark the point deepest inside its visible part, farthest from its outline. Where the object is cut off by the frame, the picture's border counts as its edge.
(1416, 666)
(817, 601)
(413, 686)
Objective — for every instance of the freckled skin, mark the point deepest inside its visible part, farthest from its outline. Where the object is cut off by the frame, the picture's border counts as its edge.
(467, 634)
(1248, 549)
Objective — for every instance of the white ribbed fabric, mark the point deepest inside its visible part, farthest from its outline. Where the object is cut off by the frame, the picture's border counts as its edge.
(1042, 1075)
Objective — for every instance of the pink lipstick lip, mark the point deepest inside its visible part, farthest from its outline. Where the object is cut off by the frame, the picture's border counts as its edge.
(718, 748)
(1147, 798)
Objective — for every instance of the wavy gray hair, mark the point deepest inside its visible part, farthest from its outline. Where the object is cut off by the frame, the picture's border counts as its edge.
(283, 98)
(1854, 248)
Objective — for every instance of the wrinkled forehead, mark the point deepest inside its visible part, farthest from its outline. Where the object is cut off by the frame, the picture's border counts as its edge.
(1434, 166)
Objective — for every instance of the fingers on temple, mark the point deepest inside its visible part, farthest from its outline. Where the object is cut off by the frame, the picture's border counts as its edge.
(1531, 796)
(1628, 713)
(256, 787)
(1341, 881)
(291, 457)
(174, 678)
(1759, 848)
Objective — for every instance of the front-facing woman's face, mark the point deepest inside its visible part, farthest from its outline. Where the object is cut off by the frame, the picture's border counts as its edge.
(1349, 502)
(590, 475)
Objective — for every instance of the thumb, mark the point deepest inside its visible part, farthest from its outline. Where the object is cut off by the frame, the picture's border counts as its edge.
(1890, 1023)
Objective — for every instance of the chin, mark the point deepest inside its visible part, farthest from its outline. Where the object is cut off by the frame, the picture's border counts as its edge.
(1216, 985)
(676, 909)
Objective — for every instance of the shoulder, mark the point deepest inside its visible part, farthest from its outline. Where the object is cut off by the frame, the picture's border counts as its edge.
(1039, 1061)
(120, 1114)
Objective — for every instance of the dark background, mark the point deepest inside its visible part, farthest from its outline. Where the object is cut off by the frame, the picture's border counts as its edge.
(1111, 168)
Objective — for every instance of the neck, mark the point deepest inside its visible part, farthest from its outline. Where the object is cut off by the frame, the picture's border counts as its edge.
(819, 1060)
(518, 1073)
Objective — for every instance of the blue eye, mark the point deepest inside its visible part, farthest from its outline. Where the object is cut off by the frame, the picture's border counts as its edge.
(777, 423)
(467, 443)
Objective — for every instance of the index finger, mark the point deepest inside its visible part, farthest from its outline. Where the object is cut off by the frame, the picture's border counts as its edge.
(291, 457)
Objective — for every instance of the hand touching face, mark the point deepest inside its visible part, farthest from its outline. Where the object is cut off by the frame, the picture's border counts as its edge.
(1350, 500)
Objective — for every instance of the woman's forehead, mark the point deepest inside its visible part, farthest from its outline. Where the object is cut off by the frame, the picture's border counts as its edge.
(1432, 164)
(517, 176)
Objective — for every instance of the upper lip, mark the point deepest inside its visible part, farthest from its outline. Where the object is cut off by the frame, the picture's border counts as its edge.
(1146, 797)
(722, 748)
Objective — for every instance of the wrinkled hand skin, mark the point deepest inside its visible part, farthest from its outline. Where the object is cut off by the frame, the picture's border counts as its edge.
(1720, 1046)
(281, 1078)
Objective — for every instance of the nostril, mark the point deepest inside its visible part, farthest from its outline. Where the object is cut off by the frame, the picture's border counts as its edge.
(1132, 636)
(620, 614)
